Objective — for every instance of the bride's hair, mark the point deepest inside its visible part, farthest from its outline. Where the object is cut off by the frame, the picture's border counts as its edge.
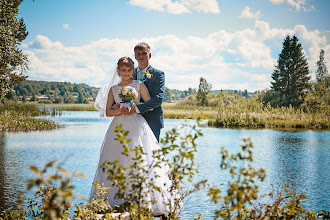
(125, 61)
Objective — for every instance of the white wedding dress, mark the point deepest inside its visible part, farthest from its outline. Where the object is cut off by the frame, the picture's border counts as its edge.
(140, 134)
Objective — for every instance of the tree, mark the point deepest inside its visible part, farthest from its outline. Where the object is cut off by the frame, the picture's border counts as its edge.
(318, 98)
(291, 75)
(168, 95)
(11, 95)
(80, 97)
(59, 99)
(13, 63)
(322, 75)
(34, 97)
(203, 89)
(245, 94)
(75, 88)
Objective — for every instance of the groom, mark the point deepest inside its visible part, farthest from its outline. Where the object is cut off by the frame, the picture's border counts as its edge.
(155, 82)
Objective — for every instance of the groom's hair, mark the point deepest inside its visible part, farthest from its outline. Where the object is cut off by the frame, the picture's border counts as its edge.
(142, 46)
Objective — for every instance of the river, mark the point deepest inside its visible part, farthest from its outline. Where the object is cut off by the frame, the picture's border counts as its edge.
(296, 157)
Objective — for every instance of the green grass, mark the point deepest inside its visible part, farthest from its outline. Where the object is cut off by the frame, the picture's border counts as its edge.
(71, 107)
(231, 110)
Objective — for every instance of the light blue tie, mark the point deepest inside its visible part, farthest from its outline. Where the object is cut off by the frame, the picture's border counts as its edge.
(140, 76)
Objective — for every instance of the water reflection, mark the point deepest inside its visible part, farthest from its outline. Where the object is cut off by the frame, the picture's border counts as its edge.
(11, 168)
(2, 165)
(299, 158)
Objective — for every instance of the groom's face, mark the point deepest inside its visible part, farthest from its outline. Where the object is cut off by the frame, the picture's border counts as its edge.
(142, 56)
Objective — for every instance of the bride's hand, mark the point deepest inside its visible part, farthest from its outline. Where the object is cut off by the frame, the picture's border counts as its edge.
(116, 106)
(118, 111)
(124, 110)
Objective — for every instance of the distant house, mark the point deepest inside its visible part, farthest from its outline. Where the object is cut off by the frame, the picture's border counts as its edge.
(96, 90)
(43, 98)
(20, 98)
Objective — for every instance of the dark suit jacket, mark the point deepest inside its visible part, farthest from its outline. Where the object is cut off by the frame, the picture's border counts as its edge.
(152, 110)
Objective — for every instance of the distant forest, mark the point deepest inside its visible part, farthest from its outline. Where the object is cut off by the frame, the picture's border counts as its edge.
(52, 92)
(66, 92)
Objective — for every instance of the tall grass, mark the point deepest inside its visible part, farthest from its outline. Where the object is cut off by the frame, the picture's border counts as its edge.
(72, 107)
(17, 116)
(23, 108)
(227, 109)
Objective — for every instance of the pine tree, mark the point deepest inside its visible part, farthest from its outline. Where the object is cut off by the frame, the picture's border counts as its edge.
(13, 62)
(291, 75)
(322, 75)
(203, 89)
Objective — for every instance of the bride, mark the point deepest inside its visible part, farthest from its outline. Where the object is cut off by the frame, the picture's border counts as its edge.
(140, 134)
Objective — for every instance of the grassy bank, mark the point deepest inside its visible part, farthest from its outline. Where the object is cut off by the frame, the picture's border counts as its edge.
(17, 116)
(227, 109)
(71, 107)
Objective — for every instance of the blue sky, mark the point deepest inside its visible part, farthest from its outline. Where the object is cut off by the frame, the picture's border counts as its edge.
(233, 44)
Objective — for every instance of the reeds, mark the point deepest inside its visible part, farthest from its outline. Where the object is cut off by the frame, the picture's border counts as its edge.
(227, 109)
(73, 107)
(17, 116)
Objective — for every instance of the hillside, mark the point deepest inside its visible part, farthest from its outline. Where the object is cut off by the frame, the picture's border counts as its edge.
(55, 92)
(66, 92)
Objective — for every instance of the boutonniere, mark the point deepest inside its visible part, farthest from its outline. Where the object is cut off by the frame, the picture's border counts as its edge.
(146, 76)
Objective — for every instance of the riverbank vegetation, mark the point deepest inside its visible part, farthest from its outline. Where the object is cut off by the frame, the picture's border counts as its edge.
(16, 116)
(237, 199)
(227, 109)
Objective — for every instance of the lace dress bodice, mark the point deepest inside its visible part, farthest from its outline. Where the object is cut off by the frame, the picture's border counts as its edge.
(135, 84)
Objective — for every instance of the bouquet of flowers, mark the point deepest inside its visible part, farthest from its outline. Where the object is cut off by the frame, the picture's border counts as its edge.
(127, 95)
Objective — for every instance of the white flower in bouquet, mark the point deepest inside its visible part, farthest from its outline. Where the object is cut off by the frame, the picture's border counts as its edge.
(127, 94)
(135, 93)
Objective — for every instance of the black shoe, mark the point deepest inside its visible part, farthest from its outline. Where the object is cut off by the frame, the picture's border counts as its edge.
(162, 217)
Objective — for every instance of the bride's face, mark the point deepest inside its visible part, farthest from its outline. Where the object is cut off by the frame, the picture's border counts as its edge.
(125, 72)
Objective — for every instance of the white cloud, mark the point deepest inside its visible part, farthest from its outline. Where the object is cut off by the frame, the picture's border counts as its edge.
(206, 6)
(243, 59)
(179, 6)
(42, 42)
(67, 27)
(276, 1)
(246, 13)
(297, 4)
(155, 5)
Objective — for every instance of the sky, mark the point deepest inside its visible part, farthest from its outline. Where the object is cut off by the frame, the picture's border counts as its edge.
(233, 44)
